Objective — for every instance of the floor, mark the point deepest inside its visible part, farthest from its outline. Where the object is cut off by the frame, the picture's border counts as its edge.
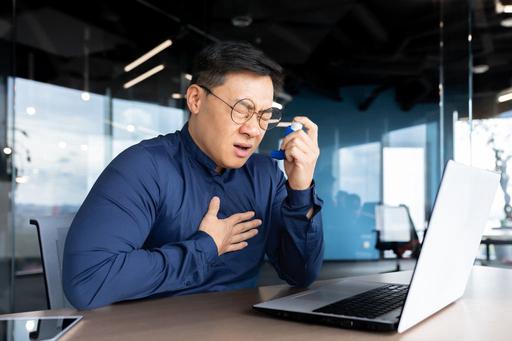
(30, 291)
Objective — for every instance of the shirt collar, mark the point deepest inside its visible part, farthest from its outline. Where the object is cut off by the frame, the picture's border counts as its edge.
(196, 152)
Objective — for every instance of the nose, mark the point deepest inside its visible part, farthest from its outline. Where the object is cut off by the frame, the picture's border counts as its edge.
(252, 127)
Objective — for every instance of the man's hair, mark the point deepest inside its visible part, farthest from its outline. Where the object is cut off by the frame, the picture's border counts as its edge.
(215, 61)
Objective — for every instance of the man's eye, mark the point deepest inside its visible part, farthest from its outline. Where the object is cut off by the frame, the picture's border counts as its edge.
(265, 115)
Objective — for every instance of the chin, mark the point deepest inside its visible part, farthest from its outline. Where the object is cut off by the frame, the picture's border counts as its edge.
(234, 164)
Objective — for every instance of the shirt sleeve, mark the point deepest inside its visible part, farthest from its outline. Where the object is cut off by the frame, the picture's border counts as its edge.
(295, 246)
(104, 259)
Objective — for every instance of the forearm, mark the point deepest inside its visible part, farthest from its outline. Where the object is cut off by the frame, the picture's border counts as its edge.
(299, 262)
(296, 249)
(96, 278)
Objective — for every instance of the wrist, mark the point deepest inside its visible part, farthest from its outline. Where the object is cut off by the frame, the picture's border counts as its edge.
(299, 186)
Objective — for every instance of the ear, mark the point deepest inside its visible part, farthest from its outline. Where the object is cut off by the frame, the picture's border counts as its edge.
(194, 99)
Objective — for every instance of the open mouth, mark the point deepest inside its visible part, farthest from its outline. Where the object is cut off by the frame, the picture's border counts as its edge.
(241, 147)
(242, 150)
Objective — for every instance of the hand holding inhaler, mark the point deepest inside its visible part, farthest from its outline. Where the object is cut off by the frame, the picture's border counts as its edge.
(292, 126)
(299, 150)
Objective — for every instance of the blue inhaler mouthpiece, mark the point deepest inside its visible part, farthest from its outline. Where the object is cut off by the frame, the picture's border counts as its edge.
(279, 154)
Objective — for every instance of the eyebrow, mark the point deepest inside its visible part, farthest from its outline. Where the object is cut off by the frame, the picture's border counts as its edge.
(241, 98)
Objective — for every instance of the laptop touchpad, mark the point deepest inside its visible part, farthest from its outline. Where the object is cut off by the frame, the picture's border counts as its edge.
(338, 291)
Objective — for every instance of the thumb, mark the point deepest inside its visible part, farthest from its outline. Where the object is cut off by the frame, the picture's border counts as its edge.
(214, 206)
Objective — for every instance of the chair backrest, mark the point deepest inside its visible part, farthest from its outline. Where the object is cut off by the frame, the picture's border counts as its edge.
(52, 233)
(393, 223)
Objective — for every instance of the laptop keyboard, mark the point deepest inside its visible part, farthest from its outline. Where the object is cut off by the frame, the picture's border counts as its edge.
(369, 304)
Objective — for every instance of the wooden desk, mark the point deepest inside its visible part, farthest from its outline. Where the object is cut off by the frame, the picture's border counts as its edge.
(484, 313)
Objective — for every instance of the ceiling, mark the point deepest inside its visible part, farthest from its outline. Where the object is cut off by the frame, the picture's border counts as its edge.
(323, 45)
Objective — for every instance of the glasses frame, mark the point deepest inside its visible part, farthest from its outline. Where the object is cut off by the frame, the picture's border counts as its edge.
(259, 114)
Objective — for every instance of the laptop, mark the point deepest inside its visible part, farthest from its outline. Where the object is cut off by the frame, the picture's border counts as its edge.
(447, 255)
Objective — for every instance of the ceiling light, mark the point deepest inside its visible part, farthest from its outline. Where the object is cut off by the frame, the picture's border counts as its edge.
(85, 96)
(505, 96)
(506, 22)
(188, 76)
(30, 110)
(7, 151)
(62, 144)
(84, 147)
(148, 55)
(130, 128)
(479, 69)
(241, 21)
(21, 179)
(177, 96)
(30, 325)
(277, 105)
(142, 77)
(500, 8)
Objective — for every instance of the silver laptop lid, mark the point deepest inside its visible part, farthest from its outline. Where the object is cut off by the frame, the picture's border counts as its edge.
(450, 246)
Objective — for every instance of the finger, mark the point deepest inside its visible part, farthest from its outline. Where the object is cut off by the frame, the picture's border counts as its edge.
(303, 142)
(311, 127)
(242, 227)
(294, 153)
(236, 247)
(239, 217)
(243, 236)
(214, 206)
(299, 135)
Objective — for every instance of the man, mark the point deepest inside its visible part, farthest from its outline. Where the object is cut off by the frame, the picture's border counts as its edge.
(196, 210)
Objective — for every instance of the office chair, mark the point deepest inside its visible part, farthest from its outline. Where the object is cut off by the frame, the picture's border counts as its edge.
(52, 233)
(395, 231)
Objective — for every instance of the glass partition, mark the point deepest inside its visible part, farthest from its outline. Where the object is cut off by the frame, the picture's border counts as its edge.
(75, 104)
(483, 137)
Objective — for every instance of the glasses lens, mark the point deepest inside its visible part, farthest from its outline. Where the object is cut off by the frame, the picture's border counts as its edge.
(242, 111)
(270, 118)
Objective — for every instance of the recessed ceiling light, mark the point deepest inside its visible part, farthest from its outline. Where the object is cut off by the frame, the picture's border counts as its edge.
(148, 55)
(504, 97)
(241, 21)
(482, 68)
(142, 77)
(85, 96)
(22, 179)
(506, 22)
(277, 105)
(503, 8)
(30, 110)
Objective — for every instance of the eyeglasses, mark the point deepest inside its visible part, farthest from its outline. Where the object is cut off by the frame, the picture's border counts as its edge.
(243, 110)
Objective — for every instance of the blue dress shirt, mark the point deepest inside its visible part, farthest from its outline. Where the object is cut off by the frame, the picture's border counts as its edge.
(136, 234)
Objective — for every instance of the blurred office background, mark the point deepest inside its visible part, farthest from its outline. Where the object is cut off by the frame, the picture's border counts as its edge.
(397, 89)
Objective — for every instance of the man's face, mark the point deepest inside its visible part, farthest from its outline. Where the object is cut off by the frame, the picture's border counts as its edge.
(227, 143)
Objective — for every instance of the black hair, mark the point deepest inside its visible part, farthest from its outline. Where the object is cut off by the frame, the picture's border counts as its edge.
(218, 59)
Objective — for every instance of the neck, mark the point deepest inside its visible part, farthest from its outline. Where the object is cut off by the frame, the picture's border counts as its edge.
(192, 130)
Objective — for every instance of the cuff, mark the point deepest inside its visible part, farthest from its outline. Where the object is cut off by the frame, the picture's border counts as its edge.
(303, 198)
(205, 244)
